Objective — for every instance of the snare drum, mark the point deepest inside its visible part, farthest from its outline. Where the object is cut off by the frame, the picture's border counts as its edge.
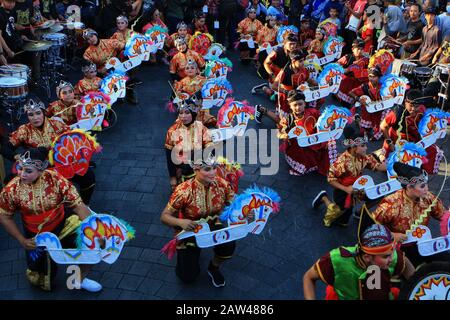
(16, 70)
(442, 72)
(12, 88)
(58, 39)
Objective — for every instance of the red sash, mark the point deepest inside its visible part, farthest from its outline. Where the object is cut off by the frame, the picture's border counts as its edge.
(52, 219)
(348, 181)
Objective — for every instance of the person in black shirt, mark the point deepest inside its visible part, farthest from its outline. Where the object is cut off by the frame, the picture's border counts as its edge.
(413, 37)
(12, 40)
(48, 9)
(23, 16)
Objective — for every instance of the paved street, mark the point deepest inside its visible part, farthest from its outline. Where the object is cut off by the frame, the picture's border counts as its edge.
(132, 183)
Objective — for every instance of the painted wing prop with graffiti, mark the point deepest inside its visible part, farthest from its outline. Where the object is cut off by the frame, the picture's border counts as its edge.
(405, 152)
(382, 58)
(432, 126)
(71, 153)
(283, 31)
(313, 68)
(230, 171)
(101, 237)
(328, 80)
(218, 68)
(332, 49)
(91, 111)
(329, 26)
(330, 126)
(114, 86)
(200, 42)
(157, 35)
(214, 92)
(261, 201)
(232, 120)
(214, 51)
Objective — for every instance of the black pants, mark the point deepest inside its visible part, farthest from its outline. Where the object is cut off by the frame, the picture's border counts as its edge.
(339, 197)
(188, 267)
(86, 184)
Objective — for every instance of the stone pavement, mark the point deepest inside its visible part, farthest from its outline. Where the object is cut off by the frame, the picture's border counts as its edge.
(132, 183)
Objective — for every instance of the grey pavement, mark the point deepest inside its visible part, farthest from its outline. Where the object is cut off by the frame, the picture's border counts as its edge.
(132, 183)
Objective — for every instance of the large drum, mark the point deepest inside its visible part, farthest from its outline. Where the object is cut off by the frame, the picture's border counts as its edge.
(16, 70)
(12, 88)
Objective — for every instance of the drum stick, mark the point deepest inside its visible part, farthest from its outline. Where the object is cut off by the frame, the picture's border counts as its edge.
(20, 52)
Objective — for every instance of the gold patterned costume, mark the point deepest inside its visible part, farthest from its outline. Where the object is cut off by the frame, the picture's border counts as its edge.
(31, 137)
(100, 54)
(67, 113)
(179, 61)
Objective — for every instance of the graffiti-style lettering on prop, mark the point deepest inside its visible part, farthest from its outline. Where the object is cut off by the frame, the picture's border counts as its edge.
(405, 152)
(328, 80)
(214, 92)
(218, 68)
(383, 59)
(283, 31)
(157, 35)
(330, 126)
(230, 171)
(261, 201)
(91, 111)
(214, 51)
(101, 237)
(432, 126)
(114, 86)
(71, 153)
(232, 120)
(332, 49)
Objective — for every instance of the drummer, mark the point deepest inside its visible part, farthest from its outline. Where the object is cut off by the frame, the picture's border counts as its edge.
(66, 107)
(11, 41)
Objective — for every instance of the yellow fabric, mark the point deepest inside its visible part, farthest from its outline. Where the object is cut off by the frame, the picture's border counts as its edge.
(70, 226)
(333, 212)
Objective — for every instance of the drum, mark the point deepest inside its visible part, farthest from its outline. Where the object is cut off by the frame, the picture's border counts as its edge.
(12, 88)
(16, 70)
(57, 39)
(423, 74)
(407, 69)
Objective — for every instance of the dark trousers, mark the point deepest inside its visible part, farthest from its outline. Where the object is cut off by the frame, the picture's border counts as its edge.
(339, 197)
(188, 267)
(227, 27)
(86, 184)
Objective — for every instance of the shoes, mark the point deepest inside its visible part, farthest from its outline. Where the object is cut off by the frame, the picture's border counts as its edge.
(318, 199)
(258, 87)
(216, 276)
(131, 96)
(258, 113)
(91, 285)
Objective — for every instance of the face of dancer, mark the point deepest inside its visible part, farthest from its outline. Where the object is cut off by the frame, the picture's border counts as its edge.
(418, 191)
(411, 107)
(357, 51)
(297, 107)
(191, 70)
(333, 13)
(381, 260)
(361, 150)
(305, 25)
(182, 31)
(201, 22)
(36, 118)
(319, 36)
(252, 15)
(272, 22)
(276, 3)
(290, 46)
(91, 74)
(297, 64)
(92, 40)
(185, 116)
(122, 25)
(28, 174)
(373, 79)
(67, 95)
(181, 47)
(206, 175)
(156, 15)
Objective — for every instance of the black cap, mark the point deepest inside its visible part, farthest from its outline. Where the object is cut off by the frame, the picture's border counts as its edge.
(295, 95)
(430, 9)
(376, 71)
(358, 43)
(297, 55)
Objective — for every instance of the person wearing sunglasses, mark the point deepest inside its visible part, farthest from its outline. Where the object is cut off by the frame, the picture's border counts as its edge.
(65, 108)
(347, 168)
(203, 197)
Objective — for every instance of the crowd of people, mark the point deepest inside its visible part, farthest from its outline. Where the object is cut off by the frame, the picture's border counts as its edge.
(412, 31)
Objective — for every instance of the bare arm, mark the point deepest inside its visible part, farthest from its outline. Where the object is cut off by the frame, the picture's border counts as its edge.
(168, 219)
(409, 269)
(82, 211)
(309, 284)
(11, 227)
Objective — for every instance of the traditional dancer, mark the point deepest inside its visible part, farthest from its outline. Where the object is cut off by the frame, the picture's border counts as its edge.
(179, 61)
(90, 82)
(203, 197)
(41, 196)
(248, 29)
(66, 107)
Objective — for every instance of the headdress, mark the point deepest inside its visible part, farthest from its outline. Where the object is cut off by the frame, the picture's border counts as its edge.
(376, 239)
(88, 33)
(191, 62)
(295, 95)
(297, 55)
(188, 104)
(376, 71)
(181, 24)
(32, 105)
(409, 175)
(199, 162)
(26, 160)
(122, 18)
(62, 84)
(89, 67)
(358, 43)
(353, 138)
(179, 41)
(251, 9)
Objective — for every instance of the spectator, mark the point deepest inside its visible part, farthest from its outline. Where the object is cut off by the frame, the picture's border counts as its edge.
(276, 9)
(431, 39)
(393, 19)
(175, 13)
(108, 15)
(443, 21)
(261, 11)
(412, 39)
(227, 22)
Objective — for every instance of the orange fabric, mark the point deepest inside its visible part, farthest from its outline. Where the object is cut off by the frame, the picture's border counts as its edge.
(29, 136)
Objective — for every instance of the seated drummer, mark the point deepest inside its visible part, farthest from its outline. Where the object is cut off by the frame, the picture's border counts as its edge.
(10, 40)
(66, 107)
(100, 51)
